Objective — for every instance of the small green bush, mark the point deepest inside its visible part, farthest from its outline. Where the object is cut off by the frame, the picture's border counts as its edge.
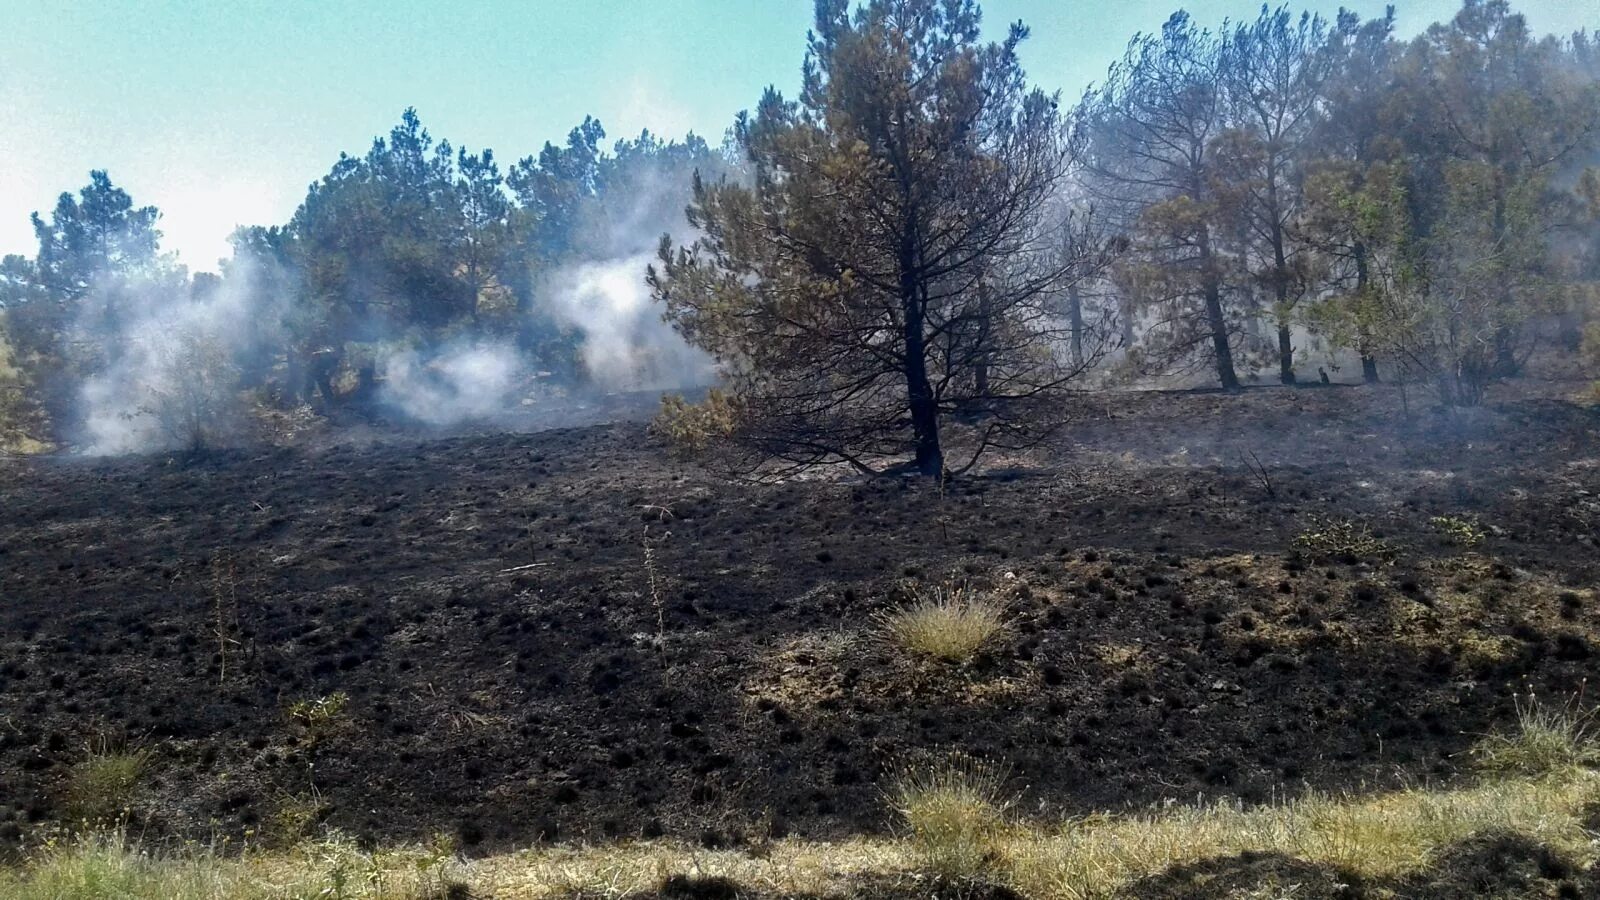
(1340, 539)
(1459, 531)
(320, 714)
(101, 787)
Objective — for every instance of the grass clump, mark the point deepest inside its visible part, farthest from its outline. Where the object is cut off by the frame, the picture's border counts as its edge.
(109, 866)
(954, 813)
(1380, 837)
(692, 429)
(321, 715)
(1549, 739)
(101, 787)
(951, 626)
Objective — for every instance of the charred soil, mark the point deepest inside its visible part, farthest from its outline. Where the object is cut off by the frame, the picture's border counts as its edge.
(567, 635)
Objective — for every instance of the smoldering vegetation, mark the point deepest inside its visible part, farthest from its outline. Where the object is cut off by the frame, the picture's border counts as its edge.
(416, 284)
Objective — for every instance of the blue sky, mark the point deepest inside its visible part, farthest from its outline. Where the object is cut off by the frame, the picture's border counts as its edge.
(222, 111)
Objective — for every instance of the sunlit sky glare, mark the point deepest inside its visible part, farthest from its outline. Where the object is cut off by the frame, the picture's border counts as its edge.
(221, 112)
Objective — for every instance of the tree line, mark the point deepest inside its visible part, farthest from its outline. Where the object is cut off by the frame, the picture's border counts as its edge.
(1421, 203)
(925, 239)
(921, 238)
(413, 244)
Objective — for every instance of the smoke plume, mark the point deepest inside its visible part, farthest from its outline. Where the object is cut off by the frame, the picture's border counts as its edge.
(626, 344)
(459, 383)
(172, 357)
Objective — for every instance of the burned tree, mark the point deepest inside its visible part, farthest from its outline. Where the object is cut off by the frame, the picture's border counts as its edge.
(1273, 70)
(892, 263)
(1151, 132)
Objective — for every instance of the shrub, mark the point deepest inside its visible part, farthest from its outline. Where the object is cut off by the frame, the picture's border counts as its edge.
(691, 429)
(1548, 739)
(192, 390)
(1463, 532)
(293, 818)
(1342, 539)
(951, 626)
(954, 809)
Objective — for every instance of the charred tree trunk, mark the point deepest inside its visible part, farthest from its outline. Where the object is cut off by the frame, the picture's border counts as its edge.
(1285, 354)
(980, 376)
(1075, 322)
(1505, 338)
(1280, 287)
(1369, 363)
(1219, 337)
(294, 379)
(923, 405)
(1369, 369)
(1215, 320)
(1505, 352)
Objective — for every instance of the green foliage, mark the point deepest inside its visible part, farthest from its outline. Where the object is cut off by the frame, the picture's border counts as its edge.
(98, 257)
(1461, 531)
(194, 393)
(888, 264)
(1435, 208)
(101, 787)
(690, 429)
(293, 818)
(319, 716)
(21, 422)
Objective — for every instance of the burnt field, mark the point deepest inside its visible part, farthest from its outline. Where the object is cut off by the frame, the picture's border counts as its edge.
(567, 635)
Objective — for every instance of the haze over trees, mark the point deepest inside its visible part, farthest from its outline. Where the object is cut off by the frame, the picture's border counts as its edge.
(915, 258)
(414, 261)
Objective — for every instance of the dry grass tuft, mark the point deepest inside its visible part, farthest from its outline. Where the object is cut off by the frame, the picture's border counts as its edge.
(1549, 739)
(109, 867)
(952, 625)
(954, 812)
(1383, 836)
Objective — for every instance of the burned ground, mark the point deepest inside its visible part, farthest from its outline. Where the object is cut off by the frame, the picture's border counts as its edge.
(518, 666)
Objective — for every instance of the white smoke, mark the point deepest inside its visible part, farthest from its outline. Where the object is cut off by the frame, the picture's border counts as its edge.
(626, 345)
(171, 361)
(171, 378)
(457, 383)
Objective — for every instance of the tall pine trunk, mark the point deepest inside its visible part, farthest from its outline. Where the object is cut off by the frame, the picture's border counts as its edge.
(1369, 363)
(923, 406)
(1075, 322)
(1505, 337)
(1285, 354)
(1280, 286)
(1218, 323)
